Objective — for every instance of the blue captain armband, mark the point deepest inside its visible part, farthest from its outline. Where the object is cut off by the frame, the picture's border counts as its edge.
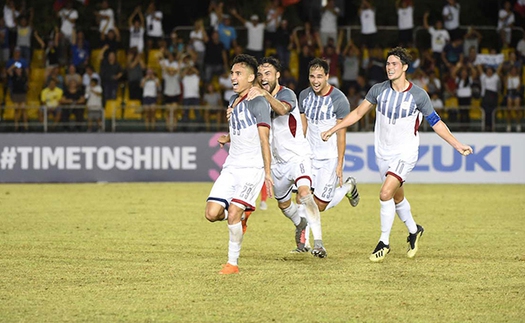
(433, 118)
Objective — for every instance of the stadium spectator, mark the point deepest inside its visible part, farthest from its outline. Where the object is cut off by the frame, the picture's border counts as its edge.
(434, 83)
(154, 30)
(105, 17)
(274, 16)
(215, 58)
(490, 86)
(227, 34)
(331, 53)
(513, 94)
(68, 17)
(80, 53)
(375, 71)
(451, 13)
(198, 40)
(367, 16)
(505, 24)
(172, 88)
(471, 39)
(405, 22)
(225, 84)
(111, 40)
(72, 103)
(328, 25)
(18, 86)
(55, 74)
(5, 51)
(190, 99)
(288, 80)
(520, 48)
(50, 99)
(10, 17)
(110, 74)
(213, 104)
(72, 75)
(25, 34)
(88, 75)
(463, 75)
(215, 12)
(306, 54)
(94, 104)
(150, 85)
(350, 63)
(17, 58)
(135, 68)
(439, 37)
(282, 41)
(136, 30)
(452, 53)
(248, 162)
(255, 45)
(396, 145)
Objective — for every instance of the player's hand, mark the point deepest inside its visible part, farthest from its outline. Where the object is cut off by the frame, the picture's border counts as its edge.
(229, 113)
(224, 139)
(465, 150)
(269, 185)
(325, 135)
(254, 92)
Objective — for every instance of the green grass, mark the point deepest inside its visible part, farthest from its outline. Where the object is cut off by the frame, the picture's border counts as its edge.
(144, 253)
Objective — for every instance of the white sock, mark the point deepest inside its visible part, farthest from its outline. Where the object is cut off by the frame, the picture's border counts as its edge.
(301, 210)
(292, 213)
(388, 213)
(339, 194)
(405, 214)
(313, 216)
(234, 245)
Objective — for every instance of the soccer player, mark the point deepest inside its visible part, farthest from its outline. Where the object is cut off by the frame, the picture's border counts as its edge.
(400, 106)
(322, 106)
(290, 155)
(247, 166)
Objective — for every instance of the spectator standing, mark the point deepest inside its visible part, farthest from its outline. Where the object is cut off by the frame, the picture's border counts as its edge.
(154, 32)
(25, 35)
(72, 75)
(328, 26)
(55, 75)
(471, 39)
(135, 67)
(520, 47)
(18, 86)
(111, 40)
(274, 15)
(105, 17)
(351, 62)
(17, 58)
(367, 16)
(282, 41)
(68, 17)
(50, 98)
(513, 89)
(80, 53)
(227, 34)
(94, 104)
(438, 39)
(215, 58)
(451, 11)
(452, 53)
(136, 30)
(88, 75)
(198, 40)
(10, 16)
(490, 85)
(405, 22)
(110, 74)
(215, 12)
(190, 97)
(255, 45)
(464, 82)
(505, 24)
(5, 51)
(212, 100)
(150, 85)
(72, 103)
(172, 89)
(225, 84)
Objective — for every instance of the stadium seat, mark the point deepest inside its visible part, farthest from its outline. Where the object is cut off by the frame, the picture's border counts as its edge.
(112, 105)
(94, 60)
(294, 64)
(475, 112)
(39, 59)
(133, 110)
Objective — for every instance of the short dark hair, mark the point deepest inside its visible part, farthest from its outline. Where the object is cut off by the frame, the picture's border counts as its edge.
(271, 61)
(94, 80)
(402, 53)
(247, 60)
(319, 63)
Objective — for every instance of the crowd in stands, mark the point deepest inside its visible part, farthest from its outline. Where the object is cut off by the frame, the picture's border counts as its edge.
(182, 78)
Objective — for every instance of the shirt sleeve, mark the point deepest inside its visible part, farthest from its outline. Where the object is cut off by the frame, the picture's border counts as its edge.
(260, 108)
(302, 96)
(341, 104)
(373, 93)
(287, 96)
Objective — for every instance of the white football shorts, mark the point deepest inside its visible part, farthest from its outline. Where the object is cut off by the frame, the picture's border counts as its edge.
(398, 166)
(287, 174)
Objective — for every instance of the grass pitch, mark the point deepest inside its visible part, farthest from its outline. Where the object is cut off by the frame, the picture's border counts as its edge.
(145, 253)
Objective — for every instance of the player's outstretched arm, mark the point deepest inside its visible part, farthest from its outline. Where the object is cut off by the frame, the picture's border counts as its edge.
(341, 147)
(442, 130)
(350, 119)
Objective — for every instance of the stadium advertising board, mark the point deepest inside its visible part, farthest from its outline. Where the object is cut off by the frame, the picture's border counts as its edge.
(131, 157)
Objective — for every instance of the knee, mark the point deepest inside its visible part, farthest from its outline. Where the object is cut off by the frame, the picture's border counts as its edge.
(210, 216)
(385, 195)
